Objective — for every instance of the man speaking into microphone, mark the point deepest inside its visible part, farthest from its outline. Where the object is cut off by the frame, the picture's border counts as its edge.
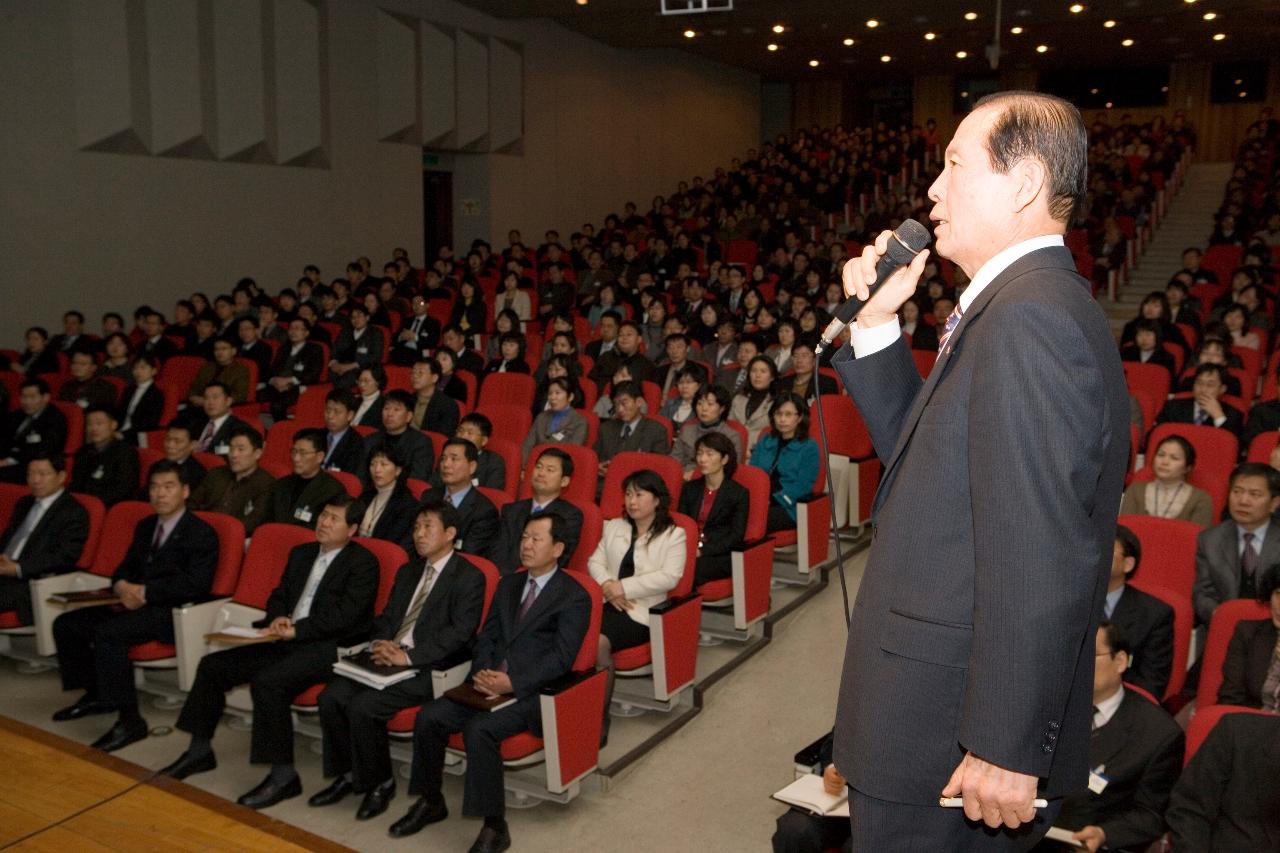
(969, 666)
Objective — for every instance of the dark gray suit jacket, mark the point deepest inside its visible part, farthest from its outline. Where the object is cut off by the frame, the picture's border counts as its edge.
(1218, 565)
(974, 625)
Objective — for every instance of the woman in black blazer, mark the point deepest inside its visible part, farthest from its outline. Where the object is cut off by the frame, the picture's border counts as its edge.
(389, 505)
(722, 523)
(143, 413)
(510, 357)
(1250, 653)
(37, 358)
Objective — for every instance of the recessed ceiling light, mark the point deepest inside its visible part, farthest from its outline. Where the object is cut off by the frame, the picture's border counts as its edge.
(930, 36)
(1127, 43)
(772, 47)
(971, 16)
(1042, 48)
(1108, 24)
(964, 94)
(1093, 91)
(813, 63)
(1219, 36)
(1076, 8)
(961, 54)
(1188, 2)
(886, 58)
(1243, 94)
(1109, 104)
(1017, 31)
(873, 23)
(1164, 88)
(582, 2)
(848, 42)
(689, 34)
(1209, 16)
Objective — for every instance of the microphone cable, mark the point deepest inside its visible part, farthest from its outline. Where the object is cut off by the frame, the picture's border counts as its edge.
(831, 492)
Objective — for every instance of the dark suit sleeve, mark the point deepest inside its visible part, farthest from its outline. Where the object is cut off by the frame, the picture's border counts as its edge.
(1204, 594)
(61, 538)
(655, 438)
(1234, 689)
(1032, 602)
(418, 465)
(489, 642)
(1154, 664)
(1195, 805)
(131, 567)
(1143, 822)
(482, 533)
(350, 611)
(571, 627)
(883, 385)
(195, 560)
(284, 596)
(466, 603)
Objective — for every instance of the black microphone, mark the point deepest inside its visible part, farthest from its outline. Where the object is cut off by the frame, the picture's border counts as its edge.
(904, 244)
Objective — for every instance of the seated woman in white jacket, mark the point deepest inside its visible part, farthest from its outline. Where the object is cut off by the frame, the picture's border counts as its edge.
(640, 558)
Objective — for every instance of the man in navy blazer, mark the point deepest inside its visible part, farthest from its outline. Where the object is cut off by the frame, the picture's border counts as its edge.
(535, 627)
(969, 665)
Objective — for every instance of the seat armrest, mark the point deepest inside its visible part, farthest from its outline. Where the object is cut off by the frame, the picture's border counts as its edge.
(670, 604)
(567, 681)
(572, 713)
(190, 623)
(43, 613)
(447, 679)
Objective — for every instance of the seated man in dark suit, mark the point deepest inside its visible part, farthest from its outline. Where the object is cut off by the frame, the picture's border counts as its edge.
(300, 497)
(477, 518)
(430, 622)
(1147, 621)
(415, 449)
(359, 345)
(433, 410)
(1135, 753)
(45, 536)
(1206, 407)
(453, 339)
(223, 368)
(535, 627)
(344, 447)
(105, 466)
(1231, 556)
(298, 363)
(491, 469)
(37, 427)
(252, 346)
(324, 601)
(170, 562)
(806, 380)
(551, 475)
(1264, 416)
(628, 429)
(418, 334)
(86, 388)
(220, 424)
(179, 443)
(240, 488)
(626, 353)
(1251, 671)
(734, 376)
(1228, 799)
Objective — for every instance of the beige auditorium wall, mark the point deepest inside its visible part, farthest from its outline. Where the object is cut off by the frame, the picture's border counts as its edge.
(156, 147)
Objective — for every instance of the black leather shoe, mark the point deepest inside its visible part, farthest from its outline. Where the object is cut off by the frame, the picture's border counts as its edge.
(376, 801)
(491, 840)
(121, 735)
(269, 793)
(86, 707)
(332, 794)
(420, 814)
(186, 765)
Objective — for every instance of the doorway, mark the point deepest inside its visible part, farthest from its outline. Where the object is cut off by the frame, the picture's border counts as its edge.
(437, 213)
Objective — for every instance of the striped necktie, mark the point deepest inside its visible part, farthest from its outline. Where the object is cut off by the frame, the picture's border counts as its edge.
(952, 321)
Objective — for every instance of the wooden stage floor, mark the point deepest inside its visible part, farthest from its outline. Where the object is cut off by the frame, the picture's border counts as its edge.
(58, 795)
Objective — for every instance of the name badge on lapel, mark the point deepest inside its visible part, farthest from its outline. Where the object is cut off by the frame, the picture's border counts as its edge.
(33, 438)
(303, 514)
(298, 367)
(222, 449)
(558, 436)
(248, 508)
(1097, 782)
(362, 350)
(82, 403)
(98, 473)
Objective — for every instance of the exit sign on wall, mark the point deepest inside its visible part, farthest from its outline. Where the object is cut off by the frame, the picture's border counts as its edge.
(429, 159)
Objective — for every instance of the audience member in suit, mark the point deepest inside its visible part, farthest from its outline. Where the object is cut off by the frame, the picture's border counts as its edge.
(711, 405)
(454, 342)
(1232, 555)
(922, 335)
(1147, 621)
(432, 411)
(359, 345)
(38, 357)
(1251, 671)
(1148, 347)
(1206, 407)
(418, 335)
(154, 342)
(802, 381)
(298, 363)
(143, 401)
(1169, 495)
(734, 376)
(370, 384)
(430, 622)
(531, 637)
(717, 504)
(324, 601)
(628, 429)
(625, 353)
(299, 498)
(607, 328)
(477, 517)
(220, 422)
(73, 337)
(170, 562)
(223, 369)
(491, 469)
(389, 506)
(240, 488)
(641, 557)
(344, 447)
(559, 423)
(1136, 755)
(36, 428)
(552, 472)
(414, 448)
(790, 458)
(179, 445)
(1228, 799)
(86, 388)
(678, 357)
(46, 533)
(105, 466)
(252, 346)
(800, 831)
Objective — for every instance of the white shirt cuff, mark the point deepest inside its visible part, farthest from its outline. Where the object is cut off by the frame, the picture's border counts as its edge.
(870, 341)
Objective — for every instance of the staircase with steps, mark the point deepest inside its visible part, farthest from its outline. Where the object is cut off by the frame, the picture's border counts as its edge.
(1188, 221)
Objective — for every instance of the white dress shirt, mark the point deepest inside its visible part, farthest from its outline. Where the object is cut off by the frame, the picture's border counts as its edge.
(133, 403)
(38, 509)
(1106, 709)
(424, 589)
(302, 609)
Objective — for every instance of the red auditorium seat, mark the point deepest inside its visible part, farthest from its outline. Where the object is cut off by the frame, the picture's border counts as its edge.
(746, 590)
(812, 535)
(1183, 624)
(847, 437)
(512, 389)
(1221, 628)
(629, 462)
(9, 495)
(510, 423)
(1168, 553)
(349, 481)
(1203, 721)
(1216, 453)
(510, 453)
(582, 485)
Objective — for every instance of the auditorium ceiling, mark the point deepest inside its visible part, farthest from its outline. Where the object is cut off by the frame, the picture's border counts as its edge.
(923, 36)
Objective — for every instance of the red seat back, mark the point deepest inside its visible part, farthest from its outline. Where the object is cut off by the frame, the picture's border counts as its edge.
(279, 443)
(510, 453)
(1168, 553)
(265, 560)
(497, 497)
(491, 577)
(75, 425)
(690, 528)
(117, 535)
(390, 558)
(1205, 718)
(514, 389)
(349, 481)
(1225, 618)
(177, 374)
(588, 536)
(1216, 453)
(627, 463)
(582, 485)
(1262, 445)
(10, 494)
(756, 482)
(1183, 623)
(586, 659)
(847, 433)
(510, 423)
(230, 534)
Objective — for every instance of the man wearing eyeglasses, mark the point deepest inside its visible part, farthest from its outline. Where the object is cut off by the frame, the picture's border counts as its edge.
(299, 497)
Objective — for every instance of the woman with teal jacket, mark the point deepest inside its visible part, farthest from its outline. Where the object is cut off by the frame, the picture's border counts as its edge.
(789, 456)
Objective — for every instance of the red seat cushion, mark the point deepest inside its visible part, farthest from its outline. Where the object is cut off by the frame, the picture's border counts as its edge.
(716, 590)
(785, 538)
(9, 619)
(402, 722)
(634, 657)
(513, 748)
(309, 697)
(152, 650)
